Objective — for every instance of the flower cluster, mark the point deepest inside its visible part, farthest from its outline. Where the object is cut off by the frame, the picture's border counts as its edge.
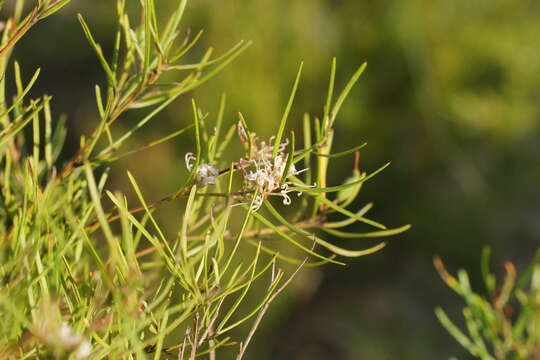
(205, 173)
(263, 174)
(71, 340)
(61, 338)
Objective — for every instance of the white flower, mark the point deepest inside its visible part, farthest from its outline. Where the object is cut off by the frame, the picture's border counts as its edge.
(284, 191)
(257, 202)
(71, 340)
(268, 173)
(67, 337)
(83, 350)
(206, 174)
(189, 158)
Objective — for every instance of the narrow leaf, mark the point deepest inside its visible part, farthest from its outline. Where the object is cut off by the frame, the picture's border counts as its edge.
(286, 113)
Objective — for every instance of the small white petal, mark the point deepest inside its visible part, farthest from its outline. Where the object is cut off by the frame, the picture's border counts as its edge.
(189, 158)
(66, 335)
(286, 199)
(206, 174)
(83, 350)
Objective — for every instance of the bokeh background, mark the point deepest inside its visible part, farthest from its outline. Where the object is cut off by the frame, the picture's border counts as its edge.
(451, 96)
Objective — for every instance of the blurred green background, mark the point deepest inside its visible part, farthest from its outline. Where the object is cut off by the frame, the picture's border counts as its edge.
(450, 96)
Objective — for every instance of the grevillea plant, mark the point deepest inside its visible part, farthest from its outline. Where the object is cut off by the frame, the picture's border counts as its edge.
(86, 272)
(503, 322)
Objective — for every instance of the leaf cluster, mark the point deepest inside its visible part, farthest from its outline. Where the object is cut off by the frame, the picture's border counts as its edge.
(502, 324)
(85, 273)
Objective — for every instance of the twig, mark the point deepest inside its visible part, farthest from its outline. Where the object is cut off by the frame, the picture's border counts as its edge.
(34, 17)
(195, 335)
(264, 309)
(210, 328)
(181, 352)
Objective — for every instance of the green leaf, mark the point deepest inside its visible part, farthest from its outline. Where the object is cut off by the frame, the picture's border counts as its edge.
(98, 51)
(197, 123)
(245, 132)
(343, 153)
(56, 6)
(349, 221)
(371, 234)
(335, 249)
(350, 214)
(172, 26)
(58, 137)
(186, 48)
(290, 157)
(243, 294)
(351, 253)
(347, 195)
(489, 279)
(148, 9)
(240, 234)
(21, 96)
(6, 135)
(288, 259)
(48, 131)
(218, 68)
(454, 331)
(286, 113)
(268, 294)
(201, 65)
(307, 145)
(322, 190)
(212, 146)
(283, 235)
(330, 93)
(345, 93)
(317, 190)
(104, 225)
(140, 196)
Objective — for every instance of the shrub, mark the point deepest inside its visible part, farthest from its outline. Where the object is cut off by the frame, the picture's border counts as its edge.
(84, 273)
(503, 325)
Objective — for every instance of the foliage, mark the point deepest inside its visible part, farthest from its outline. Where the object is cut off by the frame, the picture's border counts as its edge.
(503, 325)
(84, 275)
